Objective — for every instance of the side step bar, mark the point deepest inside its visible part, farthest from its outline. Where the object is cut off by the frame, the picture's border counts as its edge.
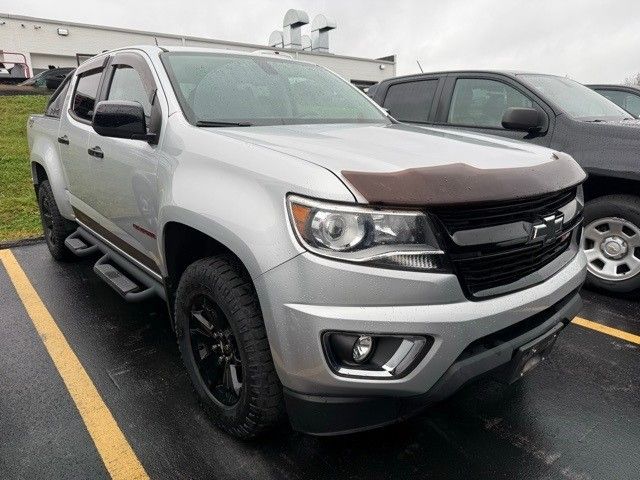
(78, 245)
(133, 284)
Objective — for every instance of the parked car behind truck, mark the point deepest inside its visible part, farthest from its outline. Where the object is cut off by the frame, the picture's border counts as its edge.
(555, 112)
(318, 259)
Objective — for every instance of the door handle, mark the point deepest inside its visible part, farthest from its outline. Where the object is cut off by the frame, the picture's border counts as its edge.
(96, 152)
(64, 140)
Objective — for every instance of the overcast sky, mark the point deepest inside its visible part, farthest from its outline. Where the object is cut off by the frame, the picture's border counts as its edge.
(588, 40)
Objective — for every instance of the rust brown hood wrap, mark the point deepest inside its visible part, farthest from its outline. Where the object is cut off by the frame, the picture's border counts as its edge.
(460, 183)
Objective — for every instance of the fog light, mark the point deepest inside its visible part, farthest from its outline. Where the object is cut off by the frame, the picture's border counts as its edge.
(362, 348)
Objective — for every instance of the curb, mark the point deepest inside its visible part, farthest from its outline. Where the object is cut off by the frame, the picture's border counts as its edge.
(21, 243)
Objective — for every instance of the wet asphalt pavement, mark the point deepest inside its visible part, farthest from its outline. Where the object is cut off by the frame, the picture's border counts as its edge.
(577, 416)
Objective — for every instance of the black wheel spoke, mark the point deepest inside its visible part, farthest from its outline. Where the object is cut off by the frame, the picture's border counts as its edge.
(231, 380)
(215, 351)
(203, 325)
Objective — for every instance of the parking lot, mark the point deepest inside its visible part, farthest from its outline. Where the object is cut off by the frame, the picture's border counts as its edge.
(575, 417)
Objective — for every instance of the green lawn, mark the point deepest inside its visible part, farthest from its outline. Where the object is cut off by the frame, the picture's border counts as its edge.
(18, 209)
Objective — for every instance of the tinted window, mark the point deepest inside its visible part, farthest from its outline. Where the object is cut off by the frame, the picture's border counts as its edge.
(481, 103)
(626, 100)
(127, 85)
(56, 103)
(264, 91)
(575, 99)
(85, 96)
(411, 101)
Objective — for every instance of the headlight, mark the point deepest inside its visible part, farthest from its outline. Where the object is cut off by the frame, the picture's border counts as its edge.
(386, 238)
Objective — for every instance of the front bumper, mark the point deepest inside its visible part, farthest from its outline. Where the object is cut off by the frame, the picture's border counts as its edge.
(309, 295)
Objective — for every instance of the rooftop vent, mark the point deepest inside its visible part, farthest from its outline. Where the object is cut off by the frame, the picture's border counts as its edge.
(276, 39)
(320, 28)
(292, 26)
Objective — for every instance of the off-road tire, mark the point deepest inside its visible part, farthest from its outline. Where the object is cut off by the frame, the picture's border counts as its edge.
(224, 280)
(59, 228)
(626, 207)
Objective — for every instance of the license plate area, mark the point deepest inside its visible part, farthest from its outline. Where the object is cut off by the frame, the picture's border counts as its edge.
(528, 356)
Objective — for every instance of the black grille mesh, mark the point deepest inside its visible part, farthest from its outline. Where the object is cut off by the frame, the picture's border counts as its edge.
(489, 266)
(499, 213)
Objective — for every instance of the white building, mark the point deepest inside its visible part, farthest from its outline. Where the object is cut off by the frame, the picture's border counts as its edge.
(64, 44)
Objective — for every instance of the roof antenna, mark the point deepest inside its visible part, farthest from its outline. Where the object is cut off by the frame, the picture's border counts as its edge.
(420, 66)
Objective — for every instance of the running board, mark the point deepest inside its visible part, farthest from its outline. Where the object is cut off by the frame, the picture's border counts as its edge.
(78, 245)
(121, 274)
(121, 283)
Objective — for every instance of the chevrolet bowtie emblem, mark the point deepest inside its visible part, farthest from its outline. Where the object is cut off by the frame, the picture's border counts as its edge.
(547, 229)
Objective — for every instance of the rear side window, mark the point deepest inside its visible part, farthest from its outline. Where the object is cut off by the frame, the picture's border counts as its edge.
(84, 98)
(56, 103)
(411, 101)
(482, 103)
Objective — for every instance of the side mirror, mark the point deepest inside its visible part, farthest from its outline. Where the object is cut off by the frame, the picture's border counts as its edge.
(522, 119)
(120, 119)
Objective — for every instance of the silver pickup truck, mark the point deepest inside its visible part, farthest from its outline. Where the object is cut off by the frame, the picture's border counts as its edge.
(320, 260)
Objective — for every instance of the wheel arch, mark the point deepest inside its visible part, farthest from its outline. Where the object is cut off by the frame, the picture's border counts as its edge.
(599, 185)
(183, 244)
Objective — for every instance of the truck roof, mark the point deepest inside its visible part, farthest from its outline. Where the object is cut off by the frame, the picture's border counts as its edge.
(152, 49)
(507, 73)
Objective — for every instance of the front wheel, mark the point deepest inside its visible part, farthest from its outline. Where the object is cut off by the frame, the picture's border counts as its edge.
(224, 347)
(611, 242)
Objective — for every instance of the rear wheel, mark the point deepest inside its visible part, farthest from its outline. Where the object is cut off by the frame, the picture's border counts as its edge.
(56, 228)
(611, 242)
(224, 347)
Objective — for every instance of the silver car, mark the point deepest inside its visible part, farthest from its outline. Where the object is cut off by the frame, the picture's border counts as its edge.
(320, 260)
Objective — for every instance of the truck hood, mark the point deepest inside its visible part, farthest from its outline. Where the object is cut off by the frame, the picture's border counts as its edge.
(405, 165)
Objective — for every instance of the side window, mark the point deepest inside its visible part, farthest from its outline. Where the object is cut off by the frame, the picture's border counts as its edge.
(411, 101)
(84, 98)
(126, 84)
(628, 101)
(55, 105)
(481, 103)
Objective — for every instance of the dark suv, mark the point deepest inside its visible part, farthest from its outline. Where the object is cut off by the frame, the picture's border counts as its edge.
(554, 112)
(625, 96)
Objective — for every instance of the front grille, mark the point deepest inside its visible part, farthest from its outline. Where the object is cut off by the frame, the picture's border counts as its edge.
(499, 213)
(487, 266)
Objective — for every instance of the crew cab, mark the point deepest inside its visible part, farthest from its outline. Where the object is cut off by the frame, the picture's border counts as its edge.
(320, 261)
(554, 112)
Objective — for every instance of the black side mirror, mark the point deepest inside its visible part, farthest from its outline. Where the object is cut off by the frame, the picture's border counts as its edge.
(522, 119)
(120, 119)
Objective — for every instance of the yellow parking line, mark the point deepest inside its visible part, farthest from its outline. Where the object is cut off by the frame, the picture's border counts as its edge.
(117, 455)
(614, 332)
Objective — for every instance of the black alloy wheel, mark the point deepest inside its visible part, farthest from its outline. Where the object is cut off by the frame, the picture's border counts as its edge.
(224, 347)
(215, 351)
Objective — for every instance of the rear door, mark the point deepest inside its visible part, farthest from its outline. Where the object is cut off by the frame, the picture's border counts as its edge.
(478, 101)
(73, 136)
(412, 100)
(126, 195)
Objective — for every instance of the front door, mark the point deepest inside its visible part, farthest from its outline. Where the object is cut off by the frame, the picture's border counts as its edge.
(478, 103)
(127, 192)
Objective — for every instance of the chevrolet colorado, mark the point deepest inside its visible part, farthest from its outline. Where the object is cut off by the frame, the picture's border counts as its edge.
(319, 260)
(554, 112)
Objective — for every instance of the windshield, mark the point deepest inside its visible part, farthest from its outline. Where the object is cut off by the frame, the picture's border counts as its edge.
(575, 99)
(263, 91)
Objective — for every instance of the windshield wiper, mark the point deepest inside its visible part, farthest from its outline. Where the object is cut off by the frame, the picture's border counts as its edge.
(215, 123)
